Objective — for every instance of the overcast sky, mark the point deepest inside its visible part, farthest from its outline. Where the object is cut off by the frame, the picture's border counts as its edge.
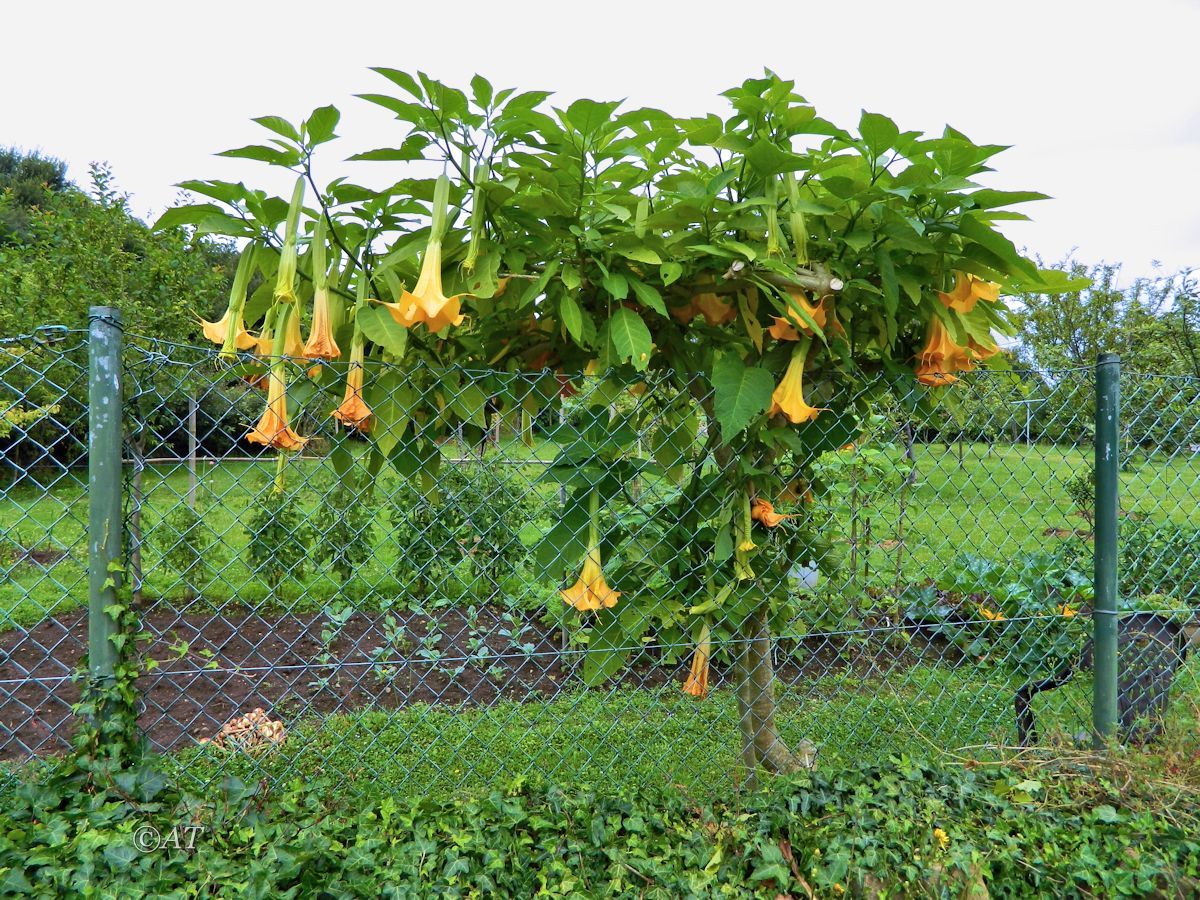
(1100, 100)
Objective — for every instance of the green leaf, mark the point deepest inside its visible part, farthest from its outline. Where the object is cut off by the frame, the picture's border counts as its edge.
(570, 277)
(587, 116)
(564, 546)
(403, 79)
(768, 158)
(616, 285)
(413, 148)
(275, 157)
(469, 403)
(186, 215)
(630, 338)
(379, 326)
(988, 199)
(887, 276)
(481, 91)
(741, 393)
(616, 633)
(642, 254)
(670, 272)
(648, 295)
(280, 126)
(878, 132)
(321, 124)
(996, 243)
(572, 317)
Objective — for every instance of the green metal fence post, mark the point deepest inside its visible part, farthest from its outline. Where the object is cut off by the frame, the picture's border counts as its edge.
(104, 484)
(1104, 614)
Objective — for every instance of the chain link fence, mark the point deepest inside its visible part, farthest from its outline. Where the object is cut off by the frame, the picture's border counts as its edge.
(393, 609)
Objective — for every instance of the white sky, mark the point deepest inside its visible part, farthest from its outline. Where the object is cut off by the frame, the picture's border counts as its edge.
(1100, 100)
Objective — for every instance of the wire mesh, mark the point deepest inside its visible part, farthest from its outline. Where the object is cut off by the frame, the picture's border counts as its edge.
(396, 602)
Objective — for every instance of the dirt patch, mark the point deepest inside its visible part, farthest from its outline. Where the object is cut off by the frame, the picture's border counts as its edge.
(1066, 533)
(210, 667)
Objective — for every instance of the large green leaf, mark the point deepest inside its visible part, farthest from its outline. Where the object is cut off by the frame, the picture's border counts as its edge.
(768, 158)
(564, 546)
(741, 393)
(630, 338)
(379, 326)
(617, 632)
(879, 132)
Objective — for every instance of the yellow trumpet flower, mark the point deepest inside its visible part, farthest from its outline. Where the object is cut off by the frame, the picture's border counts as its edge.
(969, 289)
(285, 276)
(717, 310)
(230, 330)
(321, 343)
(941, 357)
(354, 411)
(788, 397)
(696, 683)
(427, 303)
(591, 592)
(991, 615)
(273, 429)
(231, 323)
(763, 511)
(791, 327)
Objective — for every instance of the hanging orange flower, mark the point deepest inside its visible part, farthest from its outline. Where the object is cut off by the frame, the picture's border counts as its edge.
(230, 330)
(427, 303)
(272, 429)
(763, 511)
(354, 411)
(591, 592)
(321, 343)
(716, 309)
(696, 683)
(941, 357)
(791, 326)
(219, 331)
(968, 290)
(788, 397)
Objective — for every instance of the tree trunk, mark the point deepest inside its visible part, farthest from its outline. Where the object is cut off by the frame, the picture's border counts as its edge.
(759, 731)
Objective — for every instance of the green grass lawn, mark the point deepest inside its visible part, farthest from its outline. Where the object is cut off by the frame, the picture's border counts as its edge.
(998, 501)
(628, 738)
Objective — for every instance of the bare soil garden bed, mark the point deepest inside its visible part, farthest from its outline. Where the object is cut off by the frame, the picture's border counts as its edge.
(212, 666)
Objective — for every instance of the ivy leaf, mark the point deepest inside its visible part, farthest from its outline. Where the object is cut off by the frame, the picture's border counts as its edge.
(741, 393)
(630, 338)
